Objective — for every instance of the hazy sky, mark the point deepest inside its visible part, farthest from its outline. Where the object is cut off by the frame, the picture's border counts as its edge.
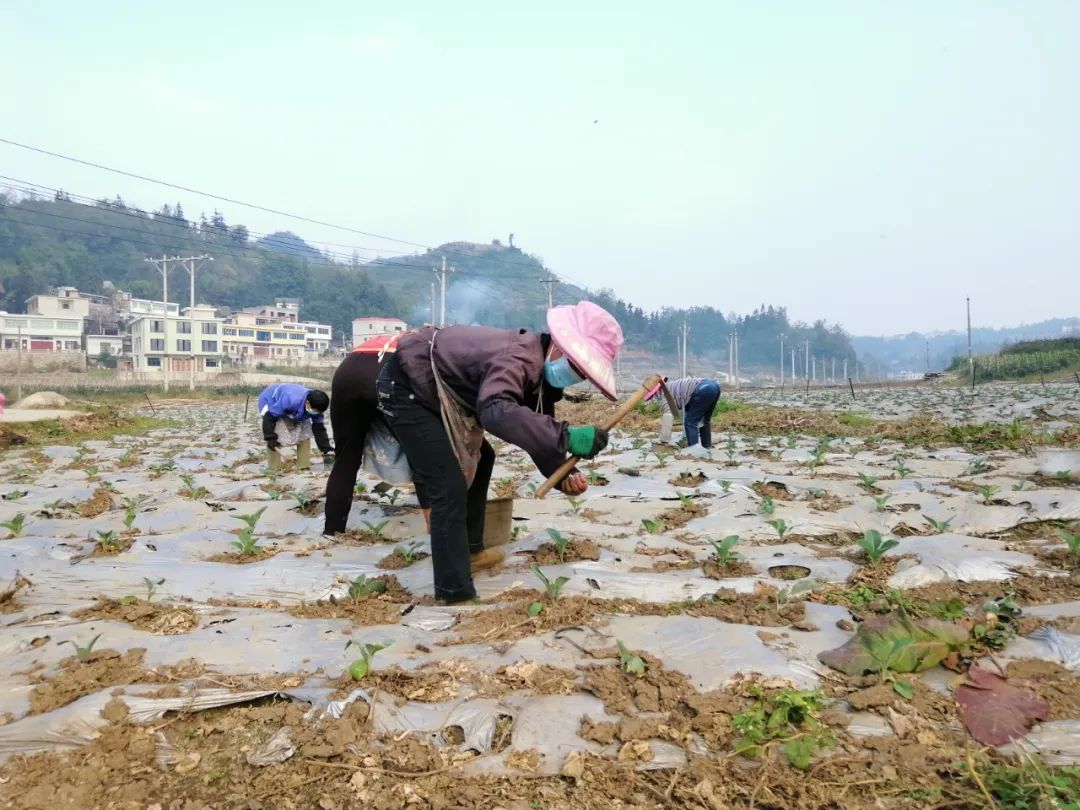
(867, 162)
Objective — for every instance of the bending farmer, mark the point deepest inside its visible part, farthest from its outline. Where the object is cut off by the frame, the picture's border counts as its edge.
(291, 416)
(696, 398)
(353, 412)
(444, 388)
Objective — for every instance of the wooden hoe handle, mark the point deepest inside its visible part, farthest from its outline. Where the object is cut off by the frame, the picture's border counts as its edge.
(620, 413)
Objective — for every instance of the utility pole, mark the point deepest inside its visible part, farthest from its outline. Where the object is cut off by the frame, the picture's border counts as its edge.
(834, 370)
(685, 333)
(738, 381)
(792, 368)
(782, 361)
(928, 354)
(731, 358)
(433, 303)
(845, 368)
(550, 281)
(188, 263)
(163, 268)
(806, 362)
(18, 367)
(971, 357)
(441, 274)
(813, 367)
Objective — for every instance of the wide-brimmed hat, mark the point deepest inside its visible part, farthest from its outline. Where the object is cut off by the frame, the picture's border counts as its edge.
(655, 390)
(591, 338)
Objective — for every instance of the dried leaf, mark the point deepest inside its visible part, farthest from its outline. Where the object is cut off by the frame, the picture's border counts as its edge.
(994, 711)
(905, 645)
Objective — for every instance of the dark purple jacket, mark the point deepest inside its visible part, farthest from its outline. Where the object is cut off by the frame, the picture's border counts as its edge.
(498, 373)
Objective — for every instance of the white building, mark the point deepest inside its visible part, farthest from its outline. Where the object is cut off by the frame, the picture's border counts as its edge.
(52, 323)
(173, 343)
(113, 344)
(274, 334)
(67, 303)
(373, 326)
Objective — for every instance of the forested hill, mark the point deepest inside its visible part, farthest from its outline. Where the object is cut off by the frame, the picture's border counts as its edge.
(54, 242)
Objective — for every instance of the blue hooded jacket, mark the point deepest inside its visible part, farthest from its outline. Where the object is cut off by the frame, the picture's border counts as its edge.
(287, 400)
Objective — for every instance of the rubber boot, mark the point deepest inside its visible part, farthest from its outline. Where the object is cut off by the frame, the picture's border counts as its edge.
(488, 558)
(273, 460)
(303, 456)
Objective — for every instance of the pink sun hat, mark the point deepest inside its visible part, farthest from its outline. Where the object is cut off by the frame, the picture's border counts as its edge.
(591, 338)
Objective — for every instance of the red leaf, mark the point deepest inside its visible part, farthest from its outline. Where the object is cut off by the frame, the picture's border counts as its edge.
(994, 711)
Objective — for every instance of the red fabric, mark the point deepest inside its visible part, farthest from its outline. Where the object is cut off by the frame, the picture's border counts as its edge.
(377, 344)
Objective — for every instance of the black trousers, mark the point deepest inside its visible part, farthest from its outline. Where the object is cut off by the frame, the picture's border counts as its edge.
(457, 511)
(353, 407)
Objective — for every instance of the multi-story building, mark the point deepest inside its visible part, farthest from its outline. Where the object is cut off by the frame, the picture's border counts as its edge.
(275, 334)
(174, 343)
(52, 323)
(371, 326)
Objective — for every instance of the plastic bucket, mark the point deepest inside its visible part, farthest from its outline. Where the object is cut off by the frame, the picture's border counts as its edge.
(498, 522)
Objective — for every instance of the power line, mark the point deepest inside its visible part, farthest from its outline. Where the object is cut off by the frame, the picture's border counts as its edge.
(255, 206)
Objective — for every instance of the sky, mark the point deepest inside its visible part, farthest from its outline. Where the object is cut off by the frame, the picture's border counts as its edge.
(868, 163)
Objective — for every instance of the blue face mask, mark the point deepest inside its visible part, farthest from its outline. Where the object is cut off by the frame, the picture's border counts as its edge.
(560, 374)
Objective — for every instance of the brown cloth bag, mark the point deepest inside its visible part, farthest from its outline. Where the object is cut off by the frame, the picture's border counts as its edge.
(462, 427)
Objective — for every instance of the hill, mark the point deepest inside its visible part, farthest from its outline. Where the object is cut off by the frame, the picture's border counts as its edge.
(48, 242)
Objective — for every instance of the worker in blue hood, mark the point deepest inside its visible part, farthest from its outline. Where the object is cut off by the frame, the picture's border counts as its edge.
(291, 416)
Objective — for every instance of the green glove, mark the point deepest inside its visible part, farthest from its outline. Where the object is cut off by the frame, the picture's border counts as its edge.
(587, 441)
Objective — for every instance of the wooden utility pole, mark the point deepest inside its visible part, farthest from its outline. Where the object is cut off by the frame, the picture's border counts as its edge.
(781, 361)
(188, 263)
(163, 268)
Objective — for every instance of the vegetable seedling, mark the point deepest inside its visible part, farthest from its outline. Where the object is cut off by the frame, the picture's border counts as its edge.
(725, 486)
(107, 540)
(768, 506)
(874, 547)
(562, 543)
(552, 587)
(902, 470)
(1063, 475)
(81, 652)
(190, 490)
(250, 520)
(15, 525)
(723, 550)
(14, 495)
(782, 526)
(152, 586)
(359, 668)
(630, 663)
(575, 504)
(360, 488)
(246, 544)
(392, 496)
(867, 482)
(988, 492)
(362, 587)
(304, 501)
(1072, 541)
(881, 501)
(977, 466)
(1019, 486)
(653, 526)
(685, 500)
(662, 459)
(410, 552)
(377, 529)
(940, 526)
(885, 662)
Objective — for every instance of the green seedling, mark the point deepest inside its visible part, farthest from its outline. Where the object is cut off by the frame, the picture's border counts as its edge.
(53, 508)
(653, 526)
(552, 587)
(867, 482)
(392, 496)
(516, 532)
(160, 469)
(1072, 541)
(575, 504)
(361, 588)
(782, 526)
(874, 547)
(644, 453)
(977, 466)
(14, 495)
(881, 501)
(360, 488)
(988, 492)
(802, 586)
(152, 586)
(637, 444)
(685, 500)
(1019, 486)
(724, 550)
(788, 718)
(190, 490)
(359, 668)
(129, 518)
(562, 543)
(948, 609)
(1063, 475)
(532, 487)
(250, 520)
(767, 506)
(83, 653)
(902, 470)
(377, 529)
(409, 553)
(940, 526)
(725, 486)
(998, 627)
(885, 663)
(107, 540)
(662, 459)
(595, 478)
(15, 525)
(630, 663)
(246, 544)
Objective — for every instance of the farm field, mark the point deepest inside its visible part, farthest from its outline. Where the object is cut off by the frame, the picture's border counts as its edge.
(847, 604)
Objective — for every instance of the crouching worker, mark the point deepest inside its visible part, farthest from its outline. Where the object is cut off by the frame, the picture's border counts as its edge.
(291, 416)
(695, 398)
(444, 388)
